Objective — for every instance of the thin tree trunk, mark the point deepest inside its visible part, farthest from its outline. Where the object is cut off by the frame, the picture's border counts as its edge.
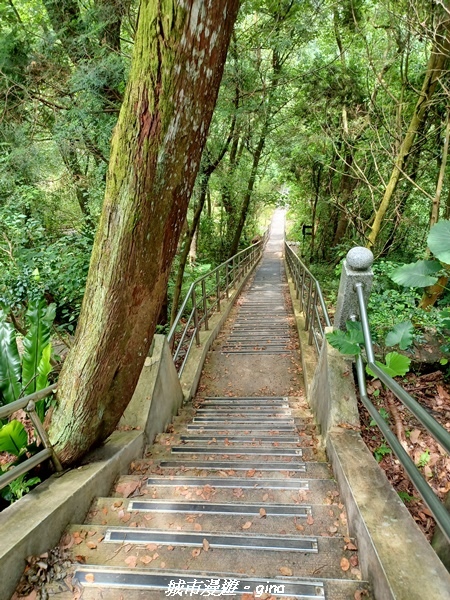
(178, 58)
(248, 194)
(436, 64)
(437, 198)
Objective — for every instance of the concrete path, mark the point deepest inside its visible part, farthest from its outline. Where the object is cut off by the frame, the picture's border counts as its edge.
(236, 499)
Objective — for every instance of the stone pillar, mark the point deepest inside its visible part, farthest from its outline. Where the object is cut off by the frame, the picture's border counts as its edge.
(356, 268)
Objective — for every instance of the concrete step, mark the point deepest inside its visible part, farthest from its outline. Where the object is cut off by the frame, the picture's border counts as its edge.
(266, 518)
(316, 491)
(124, 582)
(185, 551)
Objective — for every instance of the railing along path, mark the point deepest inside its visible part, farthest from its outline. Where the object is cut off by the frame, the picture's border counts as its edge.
(353, 294)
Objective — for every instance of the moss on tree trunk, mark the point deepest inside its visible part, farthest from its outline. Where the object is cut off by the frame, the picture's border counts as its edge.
(179, 53)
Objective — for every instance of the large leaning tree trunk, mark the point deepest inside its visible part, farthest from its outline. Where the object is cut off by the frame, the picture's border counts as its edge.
(179, 54)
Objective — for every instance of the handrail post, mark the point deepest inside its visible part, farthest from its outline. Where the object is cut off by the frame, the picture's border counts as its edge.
(205, 304)
(194, 303)
(356, 268)
(31, 412)
(218, 289)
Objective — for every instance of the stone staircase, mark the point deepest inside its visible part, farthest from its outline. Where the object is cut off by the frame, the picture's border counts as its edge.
(236, 499)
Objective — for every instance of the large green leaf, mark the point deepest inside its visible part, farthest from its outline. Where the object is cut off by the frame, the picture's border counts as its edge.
(418, 274)
(40, 319)
(396, 365)
(9, 362)
(13, 438)
(439, 241)
(402, 334)
(347, 342)
(44, 368)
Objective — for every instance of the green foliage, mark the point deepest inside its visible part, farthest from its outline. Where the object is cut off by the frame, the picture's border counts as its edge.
(438, 241)
(384, 414)
(406, 498)
(424, 459)
(395, 365)
(402, 335)
(418, 274)
(13, 438)
(10, 366)
(347, 342)
(19, 487)
(24, 375)
(382, 451)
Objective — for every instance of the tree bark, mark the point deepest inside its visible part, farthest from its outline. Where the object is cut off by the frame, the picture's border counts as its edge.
(436, 64)
(178, 58)
(440, 182)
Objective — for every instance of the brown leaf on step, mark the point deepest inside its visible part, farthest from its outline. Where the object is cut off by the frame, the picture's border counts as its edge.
(196, 552)
(262, 513)
(299, 527)
(285, 571)
(91, 533)
(131, 561)
(79, 558)
(360, 593)
(354, 560)
(197, 527)
(146, 559)
(90, 577)
(126, 488)
(162, 565)
(265, 497)
(332, 529)
(345, 564)
(247, 525)
(251, 473)
(126, 517)
(151, 547)
(170, 548)
(100, 539)
(205, 545)
(155, 556)
(91, 545)
(116, 504)
(310, 520)
(350, 546)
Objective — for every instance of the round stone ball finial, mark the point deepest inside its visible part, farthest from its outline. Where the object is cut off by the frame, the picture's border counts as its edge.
(359, 258)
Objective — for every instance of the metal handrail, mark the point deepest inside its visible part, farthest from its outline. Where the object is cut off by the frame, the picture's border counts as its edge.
(436, 430)
(198, 305)
(310, 296)
(28, 403)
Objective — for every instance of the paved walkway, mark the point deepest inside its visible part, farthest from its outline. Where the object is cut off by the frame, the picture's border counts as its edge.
(235, 500)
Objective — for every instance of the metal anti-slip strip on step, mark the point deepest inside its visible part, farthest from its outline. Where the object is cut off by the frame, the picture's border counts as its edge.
(244, 411)
(229, 482)
(195, 584)
(246, 541)
(243, 465)
(235, 450)
(245, 398)
(235, 427)
(270, 439)
(217, 508)
(224, 419)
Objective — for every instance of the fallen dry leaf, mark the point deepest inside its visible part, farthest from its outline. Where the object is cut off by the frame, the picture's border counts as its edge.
(196, 552)
(131, 561)
(285, 571)
(127, 488)
(262, 513)
(91, 545)
(197, 527)
(247, 525)
(350, 546)
(90, 577)
(146, 559)
(205, 545)
(151, 547)
(345, 564)
(310, 520)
